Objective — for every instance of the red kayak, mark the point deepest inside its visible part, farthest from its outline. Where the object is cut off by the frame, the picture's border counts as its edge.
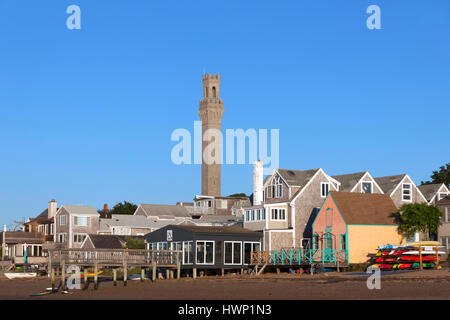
(416, 258)
(385, 266)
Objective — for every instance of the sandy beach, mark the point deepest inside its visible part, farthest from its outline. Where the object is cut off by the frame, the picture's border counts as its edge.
(427, 284)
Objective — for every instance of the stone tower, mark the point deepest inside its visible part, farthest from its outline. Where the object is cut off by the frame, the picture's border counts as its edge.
(211, 111)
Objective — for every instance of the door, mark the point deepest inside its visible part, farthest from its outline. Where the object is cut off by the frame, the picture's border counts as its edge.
(328, 247)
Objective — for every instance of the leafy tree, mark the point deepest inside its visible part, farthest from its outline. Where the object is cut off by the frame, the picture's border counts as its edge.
(123, 208)
(420, 217)
(237, 195)
(441, 176)
(135, 243)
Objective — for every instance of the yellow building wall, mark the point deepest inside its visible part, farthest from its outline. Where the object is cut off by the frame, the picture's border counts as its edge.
(365, 239)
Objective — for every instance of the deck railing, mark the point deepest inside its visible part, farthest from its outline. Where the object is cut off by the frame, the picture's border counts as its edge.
(114, 256)
(297, 256)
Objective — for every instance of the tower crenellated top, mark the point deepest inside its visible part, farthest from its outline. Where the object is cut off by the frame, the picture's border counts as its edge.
(211, 86)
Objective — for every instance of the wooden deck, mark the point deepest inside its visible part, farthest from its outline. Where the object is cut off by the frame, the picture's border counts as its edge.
(60, 259)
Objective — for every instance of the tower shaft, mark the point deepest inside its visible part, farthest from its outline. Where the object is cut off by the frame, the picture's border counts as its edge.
(211, 111)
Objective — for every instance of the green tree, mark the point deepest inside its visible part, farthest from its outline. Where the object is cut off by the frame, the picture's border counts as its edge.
(135, 243)
(420, 217)
(238, 195)
(441, 176)
(123, 208)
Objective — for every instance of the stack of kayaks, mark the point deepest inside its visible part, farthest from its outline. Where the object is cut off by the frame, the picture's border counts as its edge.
(395, 257)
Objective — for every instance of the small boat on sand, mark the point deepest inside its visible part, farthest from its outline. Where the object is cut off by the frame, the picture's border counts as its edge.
(20, 275)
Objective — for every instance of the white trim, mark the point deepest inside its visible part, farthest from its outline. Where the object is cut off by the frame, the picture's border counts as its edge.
(292, 206)
(232, 253)
(280, 230)
(204, 255)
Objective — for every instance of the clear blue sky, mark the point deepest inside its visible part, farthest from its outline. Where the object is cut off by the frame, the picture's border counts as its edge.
(86, 115)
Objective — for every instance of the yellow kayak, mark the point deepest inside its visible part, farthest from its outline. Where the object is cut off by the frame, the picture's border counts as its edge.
(424, 243)
(90, 274)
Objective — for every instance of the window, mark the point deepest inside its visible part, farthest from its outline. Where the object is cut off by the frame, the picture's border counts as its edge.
(366, 187)
(441, 196)
(274, 189)
(278, 214)
(264, 214)
(62, 220)
(258, 214)
(205, 252)
(446, 217)
(247, 215)
(175, 246)
(253, 215)
(81, 221)
(324, 189)
(315, 242)
(250, 247)
(79, 237)
(406, 192)
(162, 245)
(445, 242)
(61, 237)
(154, 246)
(329, 218)
(221, 204)
(233, 252)
(342, 238)
(188, 252)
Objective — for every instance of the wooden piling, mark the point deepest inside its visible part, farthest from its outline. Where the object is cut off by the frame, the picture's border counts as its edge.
(154, 271)
(194, 273)
(142, 274)
(437, 256)
(420, 258)
(125, 274)
(178, 269)
(115, 277)
(171, 274)
(222, 271)
(52, 277)
(95, 275)
(86, 279)
(63, 275)
(278, 271)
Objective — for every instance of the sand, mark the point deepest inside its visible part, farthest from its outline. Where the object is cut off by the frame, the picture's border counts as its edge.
(427, 284)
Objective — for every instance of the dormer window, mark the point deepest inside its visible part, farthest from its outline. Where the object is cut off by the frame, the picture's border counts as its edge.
(324, 189)
(274, 189)
(406, 192)
(366, 187)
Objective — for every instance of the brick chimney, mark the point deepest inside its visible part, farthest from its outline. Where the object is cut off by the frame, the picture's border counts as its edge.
(52, 207)
(105, 207)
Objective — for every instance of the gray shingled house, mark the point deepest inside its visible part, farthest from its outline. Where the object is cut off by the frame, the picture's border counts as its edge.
(434, 192)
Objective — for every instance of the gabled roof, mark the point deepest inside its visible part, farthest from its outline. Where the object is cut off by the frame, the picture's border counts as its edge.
(85, 210)
(389, 183)
(158, 210)
(348, 181)
(365, 208)
(297, 178)
(103, 241)
(429, 190)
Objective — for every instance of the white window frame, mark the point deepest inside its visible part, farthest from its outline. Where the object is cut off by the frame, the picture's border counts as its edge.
(183, 246)
(162, 242)
(79, 234)
(278, 214)
(321, 189)
(204, 254)
(410, 192)
(64, 237)
(232, 253)
(243, 249)
(77, 221)
(61, 218)
(371, 186)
